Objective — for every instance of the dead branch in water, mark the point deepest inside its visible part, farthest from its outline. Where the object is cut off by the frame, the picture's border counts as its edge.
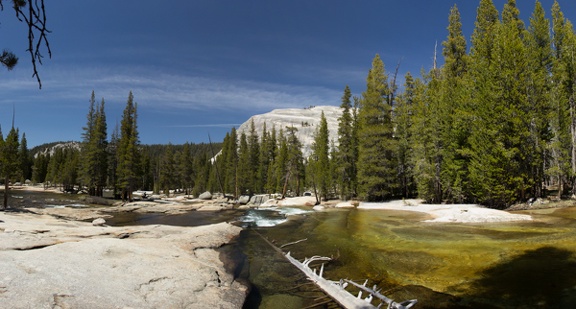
(293, 243)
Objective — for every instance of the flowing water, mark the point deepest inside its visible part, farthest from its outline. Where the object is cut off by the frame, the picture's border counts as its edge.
(503, 265)
(443, 265)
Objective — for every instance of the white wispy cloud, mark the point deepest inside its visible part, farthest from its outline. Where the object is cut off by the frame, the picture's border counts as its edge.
(163, 90)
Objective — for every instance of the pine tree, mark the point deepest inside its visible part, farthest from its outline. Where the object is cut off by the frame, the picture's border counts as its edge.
(69, 169)
(560, 167)
(539, 55)
(101, 141)
(186, 167)
(564, 41)
(40, 168)
(230, 165)
(319, 160)
(403, 121)
(3, 169)
(454, 112)
(88, 172)
(355, 143)
(483, 35)
(272, 152)
(94, 161)
(377, 148)
(511, 15)
(265, 158)
(168, 170)
(10, 163)
(128, 170)
(202, 166)
(345, 156)
(112, 152)
(499, 161)
(426, 157)
(244, 173)
(25, 160)
(148, 180)
(295, 169)
(280, 164)
(254, 154)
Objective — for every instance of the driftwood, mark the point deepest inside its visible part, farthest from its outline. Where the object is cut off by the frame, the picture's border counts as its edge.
(337, 289)
(293, 243)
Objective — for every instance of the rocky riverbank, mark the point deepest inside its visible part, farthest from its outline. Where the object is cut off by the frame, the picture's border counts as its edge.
(447, 213)
(51, 262)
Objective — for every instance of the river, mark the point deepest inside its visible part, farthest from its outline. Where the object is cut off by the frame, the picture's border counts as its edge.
(443, 265)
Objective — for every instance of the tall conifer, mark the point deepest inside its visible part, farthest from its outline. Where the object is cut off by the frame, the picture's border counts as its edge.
(319, 159)
(128, 169)
(245, 170)
(25, 160)
(426, 157)
(560, 167)
(454, 112)
(9, 160)
(377, 148)
(540, 59)
(403, 121)
(345, 158)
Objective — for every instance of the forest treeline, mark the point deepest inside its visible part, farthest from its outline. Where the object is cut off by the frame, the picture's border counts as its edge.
(120, 163)
(495, 124)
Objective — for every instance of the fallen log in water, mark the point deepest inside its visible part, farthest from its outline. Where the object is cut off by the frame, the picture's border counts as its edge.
(337, 289)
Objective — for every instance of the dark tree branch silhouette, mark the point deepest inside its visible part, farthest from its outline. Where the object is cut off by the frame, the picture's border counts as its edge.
(33, 14)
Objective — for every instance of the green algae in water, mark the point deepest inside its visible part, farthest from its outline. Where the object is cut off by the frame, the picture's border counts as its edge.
(498, 265)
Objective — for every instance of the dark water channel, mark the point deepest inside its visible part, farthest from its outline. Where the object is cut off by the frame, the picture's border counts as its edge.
(496, 265)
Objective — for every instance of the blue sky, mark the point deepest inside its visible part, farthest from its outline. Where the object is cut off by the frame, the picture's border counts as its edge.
(201, 67)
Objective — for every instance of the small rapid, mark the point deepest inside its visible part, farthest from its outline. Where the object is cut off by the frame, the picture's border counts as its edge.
(269, 217)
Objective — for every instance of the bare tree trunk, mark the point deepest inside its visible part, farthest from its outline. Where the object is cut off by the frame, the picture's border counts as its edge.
(573, 135)
(6, 187)
(285, 185)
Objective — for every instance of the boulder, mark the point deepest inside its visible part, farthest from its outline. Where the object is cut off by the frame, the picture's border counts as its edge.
(259, 199)
(99, 222)
(205, 196)
(210, 208)
(270, 203)
(347, 204)
(244, 199)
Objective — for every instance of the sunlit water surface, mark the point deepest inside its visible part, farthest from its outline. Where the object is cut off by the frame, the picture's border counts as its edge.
(443, 265)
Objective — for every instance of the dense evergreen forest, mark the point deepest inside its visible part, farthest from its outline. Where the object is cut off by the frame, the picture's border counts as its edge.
(495, 124)
(120, 163)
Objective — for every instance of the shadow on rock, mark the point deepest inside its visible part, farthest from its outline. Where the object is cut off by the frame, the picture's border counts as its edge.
(541, 278)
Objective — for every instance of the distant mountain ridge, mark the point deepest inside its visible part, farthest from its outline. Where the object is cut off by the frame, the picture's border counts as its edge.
(50, 148)
(306, 120)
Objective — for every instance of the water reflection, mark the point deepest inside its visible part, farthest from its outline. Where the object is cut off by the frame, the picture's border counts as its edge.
(193, 218)
(43, 199)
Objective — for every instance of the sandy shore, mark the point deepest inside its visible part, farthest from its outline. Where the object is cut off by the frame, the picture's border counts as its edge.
(463, 213)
